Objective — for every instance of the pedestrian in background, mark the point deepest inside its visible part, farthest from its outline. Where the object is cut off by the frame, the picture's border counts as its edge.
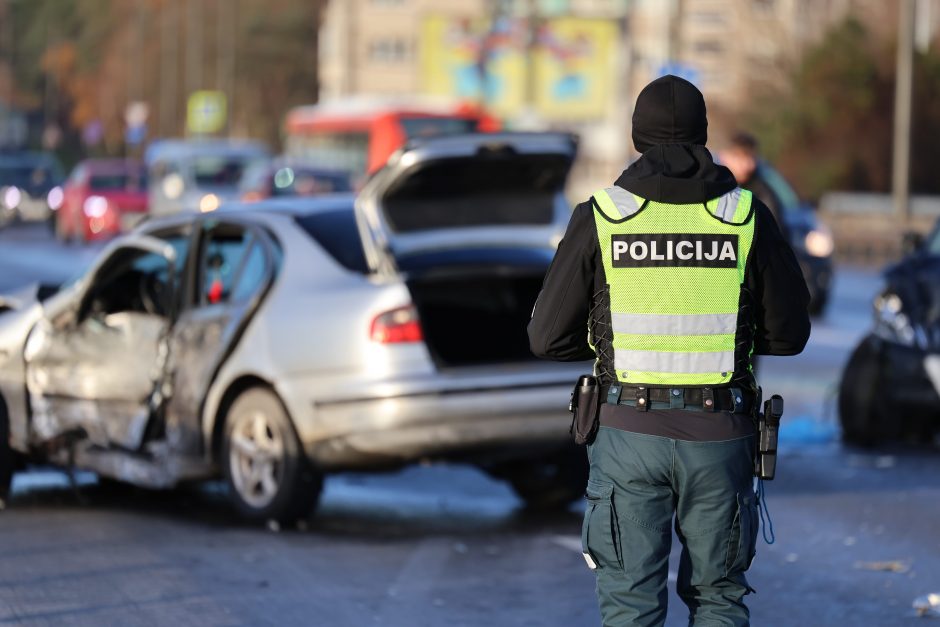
(742, 157)
(670, 279)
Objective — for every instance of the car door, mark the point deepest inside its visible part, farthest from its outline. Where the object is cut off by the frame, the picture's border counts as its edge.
(235, 266)
(95, 369)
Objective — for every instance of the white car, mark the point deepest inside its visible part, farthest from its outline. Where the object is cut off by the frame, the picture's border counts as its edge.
(276, 342)
(197, 175)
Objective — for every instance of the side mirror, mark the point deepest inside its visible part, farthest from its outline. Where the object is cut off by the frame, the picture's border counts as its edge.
(911, 243)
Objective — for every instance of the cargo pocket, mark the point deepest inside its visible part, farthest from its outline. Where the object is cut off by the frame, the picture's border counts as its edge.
(742, 543)
(600, 531)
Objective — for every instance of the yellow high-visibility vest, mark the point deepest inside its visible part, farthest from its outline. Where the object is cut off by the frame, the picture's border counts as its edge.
(675, 275)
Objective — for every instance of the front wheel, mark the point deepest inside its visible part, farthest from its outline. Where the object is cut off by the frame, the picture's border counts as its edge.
(268, 474)
(860, 412)
(552, 483)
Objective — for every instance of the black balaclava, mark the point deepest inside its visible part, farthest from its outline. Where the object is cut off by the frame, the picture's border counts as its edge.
(670, 110)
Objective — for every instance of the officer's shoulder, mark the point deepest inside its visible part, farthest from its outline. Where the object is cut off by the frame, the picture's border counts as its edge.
(583, 211)
(761, 211)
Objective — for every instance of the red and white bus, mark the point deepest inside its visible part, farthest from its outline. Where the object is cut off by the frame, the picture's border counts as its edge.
(360, 136)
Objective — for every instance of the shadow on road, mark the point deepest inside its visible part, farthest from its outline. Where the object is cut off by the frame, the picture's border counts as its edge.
(375, 507)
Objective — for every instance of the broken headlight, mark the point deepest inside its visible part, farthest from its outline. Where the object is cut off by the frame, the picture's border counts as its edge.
(893, 324)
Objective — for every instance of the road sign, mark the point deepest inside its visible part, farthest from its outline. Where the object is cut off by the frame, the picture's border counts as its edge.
(135, 135)
(206, 112)
(681, 70)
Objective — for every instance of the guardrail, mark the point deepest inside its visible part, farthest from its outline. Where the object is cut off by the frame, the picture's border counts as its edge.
(867, 231)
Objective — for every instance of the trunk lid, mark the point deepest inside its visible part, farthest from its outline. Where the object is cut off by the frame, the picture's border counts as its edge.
(467, 191)
(470, 222)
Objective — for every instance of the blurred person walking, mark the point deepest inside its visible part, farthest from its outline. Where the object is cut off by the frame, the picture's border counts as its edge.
(741, 156)
(670, 279)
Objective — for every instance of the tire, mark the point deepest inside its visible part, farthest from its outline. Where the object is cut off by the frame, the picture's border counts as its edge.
(7, 457)
(552, 483)
(861, 415)
(268, 475)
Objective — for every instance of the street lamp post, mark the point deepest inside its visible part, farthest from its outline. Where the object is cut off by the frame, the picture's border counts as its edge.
(901, 161)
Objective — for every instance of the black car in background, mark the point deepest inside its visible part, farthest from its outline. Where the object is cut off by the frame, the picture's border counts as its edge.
(30, 186)
(889, 389)
(810, 238)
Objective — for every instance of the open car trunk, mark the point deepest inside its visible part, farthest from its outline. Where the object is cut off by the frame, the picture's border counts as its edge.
(471, 222)
(473, 315)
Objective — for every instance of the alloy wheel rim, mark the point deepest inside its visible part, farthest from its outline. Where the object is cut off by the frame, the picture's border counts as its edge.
(256, 459)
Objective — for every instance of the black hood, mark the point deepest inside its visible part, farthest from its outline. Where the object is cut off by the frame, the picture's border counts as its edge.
(670, 110)
(677, 173)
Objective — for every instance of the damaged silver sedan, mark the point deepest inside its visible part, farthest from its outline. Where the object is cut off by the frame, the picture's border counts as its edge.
(275, 343)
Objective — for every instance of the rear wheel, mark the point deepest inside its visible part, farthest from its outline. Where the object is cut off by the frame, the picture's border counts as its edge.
(551, 483)
(264, 464)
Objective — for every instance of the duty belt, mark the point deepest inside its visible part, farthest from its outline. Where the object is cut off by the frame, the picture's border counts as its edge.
(645, 398)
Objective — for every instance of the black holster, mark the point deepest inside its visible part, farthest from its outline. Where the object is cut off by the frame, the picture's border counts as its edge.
(585, 409)
(768, 426)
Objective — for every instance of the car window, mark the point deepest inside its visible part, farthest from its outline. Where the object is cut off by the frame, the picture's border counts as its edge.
(337, 233)
(117, 182)
(131, 280)
(299, 182)
(933, 243)
(233, 266)
(220, 171)
(432, 127)
(252, 273)
(30, 177)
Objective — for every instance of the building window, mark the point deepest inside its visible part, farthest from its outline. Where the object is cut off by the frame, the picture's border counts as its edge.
(707, 46)
(707, 17)
(389, 50)
(764, 6)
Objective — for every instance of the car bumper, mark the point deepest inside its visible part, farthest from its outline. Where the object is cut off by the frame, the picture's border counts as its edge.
(477, 424)
(910, 378)
(33, 210)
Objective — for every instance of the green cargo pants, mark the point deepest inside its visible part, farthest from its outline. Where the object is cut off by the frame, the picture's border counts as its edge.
(637, 483)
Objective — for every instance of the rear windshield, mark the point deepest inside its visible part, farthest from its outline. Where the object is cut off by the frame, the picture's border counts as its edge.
(115, 182)
(288, 181)
(336, 232)
(28, 177)
(473, 192)
(221, 171)
(416, 127)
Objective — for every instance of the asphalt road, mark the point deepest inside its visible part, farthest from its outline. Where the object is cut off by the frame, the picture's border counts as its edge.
(857, 534)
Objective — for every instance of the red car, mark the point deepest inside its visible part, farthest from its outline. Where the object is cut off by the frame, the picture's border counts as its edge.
(102, 198)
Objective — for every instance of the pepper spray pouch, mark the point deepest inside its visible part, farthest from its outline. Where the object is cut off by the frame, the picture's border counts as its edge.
(585, 409)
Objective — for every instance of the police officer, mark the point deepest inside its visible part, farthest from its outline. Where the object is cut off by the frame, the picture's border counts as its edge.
(671, 279)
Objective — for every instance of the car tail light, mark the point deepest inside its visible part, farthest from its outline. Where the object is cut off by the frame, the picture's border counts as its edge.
(397, 326)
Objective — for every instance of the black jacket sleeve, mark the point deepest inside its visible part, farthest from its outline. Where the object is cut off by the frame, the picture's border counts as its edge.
(558, 329)
(778, 290)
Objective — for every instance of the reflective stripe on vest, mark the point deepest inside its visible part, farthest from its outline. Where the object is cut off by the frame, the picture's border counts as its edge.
(617, 200)
(675, 274)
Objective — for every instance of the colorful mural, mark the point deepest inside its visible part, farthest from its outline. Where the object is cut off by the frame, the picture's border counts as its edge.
(573, 64)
